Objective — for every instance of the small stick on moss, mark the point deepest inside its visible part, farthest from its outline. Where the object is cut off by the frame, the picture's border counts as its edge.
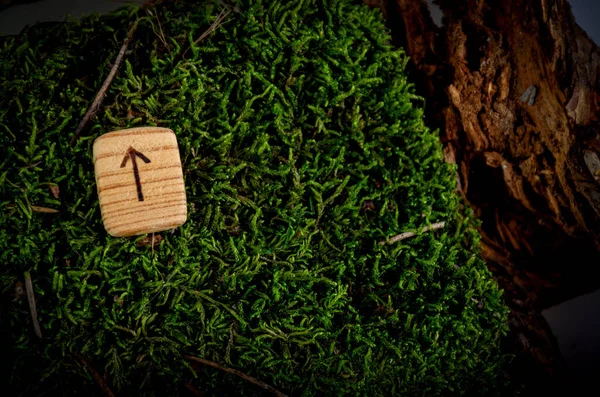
(406, 235)
(99, 379)
(32, 306)
(91, 112)
(193, 391)
(222, 15)
(152, 260)
(238, 373)
(45, 210)
(160, 34)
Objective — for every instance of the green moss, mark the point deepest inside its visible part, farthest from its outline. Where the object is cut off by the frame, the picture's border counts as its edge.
(303, 146)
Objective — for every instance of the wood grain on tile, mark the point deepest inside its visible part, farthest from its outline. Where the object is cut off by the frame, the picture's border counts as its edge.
(139, 181)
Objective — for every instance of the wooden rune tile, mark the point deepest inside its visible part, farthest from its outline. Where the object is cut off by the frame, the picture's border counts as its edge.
(139, 181)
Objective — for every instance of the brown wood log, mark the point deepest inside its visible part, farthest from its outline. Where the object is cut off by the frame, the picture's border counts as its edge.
(513, 86)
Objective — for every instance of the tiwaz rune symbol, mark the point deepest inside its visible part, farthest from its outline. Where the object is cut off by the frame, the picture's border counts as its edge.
(132, 154)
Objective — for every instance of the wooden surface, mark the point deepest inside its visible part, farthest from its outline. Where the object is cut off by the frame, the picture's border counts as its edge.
(139, 181)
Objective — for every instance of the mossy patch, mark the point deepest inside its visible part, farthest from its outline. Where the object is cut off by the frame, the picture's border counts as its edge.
(303, 147)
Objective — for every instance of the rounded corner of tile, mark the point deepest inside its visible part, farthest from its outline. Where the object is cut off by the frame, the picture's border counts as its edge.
(114, 234)
(96, 144)
(184, 220)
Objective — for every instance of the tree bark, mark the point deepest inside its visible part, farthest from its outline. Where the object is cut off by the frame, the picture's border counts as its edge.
(513, 86)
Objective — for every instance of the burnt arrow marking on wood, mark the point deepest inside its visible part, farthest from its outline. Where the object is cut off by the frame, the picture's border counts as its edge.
(132, 154)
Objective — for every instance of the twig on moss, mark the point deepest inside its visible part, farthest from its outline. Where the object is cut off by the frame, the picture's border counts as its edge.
(45, 210)
(160, 34)
(406, 235)
(214, 26)
(152, 244)
(192, 389)
(99, 379)
(150, 3)
(222, 15)
(236, 372)
(91, 112)
(32, 305)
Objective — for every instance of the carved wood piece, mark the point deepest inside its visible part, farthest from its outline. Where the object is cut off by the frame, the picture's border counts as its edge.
(139, 181)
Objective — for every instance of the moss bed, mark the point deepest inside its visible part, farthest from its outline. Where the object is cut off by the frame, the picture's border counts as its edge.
(303, 147)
